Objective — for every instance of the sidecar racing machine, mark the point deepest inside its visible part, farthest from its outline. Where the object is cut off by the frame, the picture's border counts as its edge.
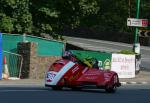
(67, 73)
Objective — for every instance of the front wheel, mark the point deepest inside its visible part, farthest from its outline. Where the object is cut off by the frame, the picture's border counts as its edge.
(57, 87)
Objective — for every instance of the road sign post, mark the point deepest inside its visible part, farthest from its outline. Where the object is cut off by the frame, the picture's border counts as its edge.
(136, 22)
(136, 38)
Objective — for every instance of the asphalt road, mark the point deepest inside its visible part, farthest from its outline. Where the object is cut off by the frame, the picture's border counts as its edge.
(108, 46)
(125, 94)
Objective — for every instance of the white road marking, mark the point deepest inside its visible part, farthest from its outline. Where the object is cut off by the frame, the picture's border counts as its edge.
(133, 82)
(146, 58)
(144, 82)
(123, 83)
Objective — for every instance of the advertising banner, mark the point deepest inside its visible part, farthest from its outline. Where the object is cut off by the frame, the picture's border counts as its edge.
(0, 56)
(103, 58)
(124, 65)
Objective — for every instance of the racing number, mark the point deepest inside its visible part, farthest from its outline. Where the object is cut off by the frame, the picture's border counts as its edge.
(51, 76)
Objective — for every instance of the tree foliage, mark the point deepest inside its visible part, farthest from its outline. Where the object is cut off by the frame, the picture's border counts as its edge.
(18, 17)
(37, 16)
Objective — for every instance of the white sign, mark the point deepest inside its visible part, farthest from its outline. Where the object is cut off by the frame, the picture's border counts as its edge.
(124, 65)
(137, 22)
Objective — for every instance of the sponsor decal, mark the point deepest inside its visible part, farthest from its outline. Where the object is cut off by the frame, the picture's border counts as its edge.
(75, 69)
(61, 62)
(86, 68)
(92, 73)
(74, 77)
(91, 77)
(107, 64)
(107, 76)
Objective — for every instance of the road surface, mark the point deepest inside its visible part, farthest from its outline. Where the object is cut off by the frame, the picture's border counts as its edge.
(108, 46)
(125, 94)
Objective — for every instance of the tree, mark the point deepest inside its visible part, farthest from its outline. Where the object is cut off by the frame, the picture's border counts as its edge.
(30, 16)
(74, 13)
(22, 16)
(44, 15)
(6, 24)
(17, 15)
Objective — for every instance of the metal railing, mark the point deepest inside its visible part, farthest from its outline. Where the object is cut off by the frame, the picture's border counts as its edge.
(14, 62)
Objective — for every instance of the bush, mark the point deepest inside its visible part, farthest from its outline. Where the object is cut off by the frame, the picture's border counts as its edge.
(126, 52)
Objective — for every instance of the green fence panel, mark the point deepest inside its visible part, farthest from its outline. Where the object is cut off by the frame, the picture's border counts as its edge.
(47, 47)
(9, 42)
(44, 48)
(104, 58)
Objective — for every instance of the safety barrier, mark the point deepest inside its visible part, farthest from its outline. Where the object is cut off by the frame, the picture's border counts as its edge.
(144, 33)
(14, 63)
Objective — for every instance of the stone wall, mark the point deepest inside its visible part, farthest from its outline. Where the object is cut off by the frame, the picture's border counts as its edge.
(34, 66)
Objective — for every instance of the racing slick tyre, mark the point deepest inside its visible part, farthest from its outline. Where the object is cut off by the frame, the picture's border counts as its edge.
(76, 88)
(57, 88)
(111, 89)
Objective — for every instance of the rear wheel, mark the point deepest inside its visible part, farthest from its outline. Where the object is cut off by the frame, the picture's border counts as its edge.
(112, 88)
(76, 88)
